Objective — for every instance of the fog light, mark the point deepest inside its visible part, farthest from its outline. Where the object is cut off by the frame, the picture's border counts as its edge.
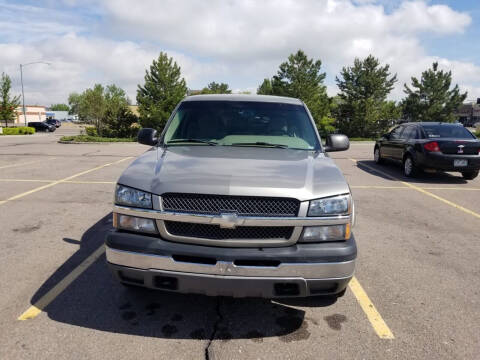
(326, 233)
(133, 223)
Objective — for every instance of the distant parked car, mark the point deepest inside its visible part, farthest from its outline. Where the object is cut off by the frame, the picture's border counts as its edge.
(42, 126)
(430, 145)
(54, 122)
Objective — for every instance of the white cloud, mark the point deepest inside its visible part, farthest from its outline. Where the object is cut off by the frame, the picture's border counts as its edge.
(238, 42)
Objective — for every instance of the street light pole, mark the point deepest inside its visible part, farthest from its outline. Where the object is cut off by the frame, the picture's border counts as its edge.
(23, 96)
(21, 80)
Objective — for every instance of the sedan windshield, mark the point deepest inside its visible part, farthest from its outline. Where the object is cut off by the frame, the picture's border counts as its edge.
(446, 131)
(241, 123)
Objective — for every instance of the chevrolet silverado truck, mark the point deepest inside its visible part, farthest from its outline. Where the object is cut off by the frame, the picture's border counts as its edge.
(236, 197)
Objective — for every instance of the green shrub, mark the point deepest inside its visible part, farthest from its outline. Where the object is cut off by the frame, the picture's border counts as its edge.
(22, 130)
(87, 138)
(91, 131)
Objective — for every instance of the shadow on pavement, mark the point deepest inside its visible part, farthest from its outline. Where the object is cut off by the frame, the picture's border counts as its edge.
(96, 301)
(395, 170)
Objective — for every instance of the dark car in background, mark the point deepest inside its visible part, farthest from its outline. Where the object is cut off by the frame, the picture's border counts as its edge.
(431, 146)
(54, 122)
(42, 126)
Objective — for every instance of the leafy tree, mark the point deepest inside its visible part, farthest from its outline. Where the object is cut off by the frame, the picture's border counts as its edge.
(59, 107)
(300, 77)
(8, 104)
(265, 88)
(215, 88)
(431, 98)
(92, 106)
(363, 110)
(74, 102)
(118, 118)
(163, 89)
(107, 109)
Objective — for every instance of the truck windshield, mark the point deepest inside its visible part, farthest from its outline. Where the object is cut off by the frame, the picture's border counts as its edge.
(241, 123)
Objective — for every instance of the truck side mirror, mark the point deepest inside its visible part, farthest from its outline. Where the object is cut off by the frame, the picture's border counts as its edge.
(337, 142)
(147, 136)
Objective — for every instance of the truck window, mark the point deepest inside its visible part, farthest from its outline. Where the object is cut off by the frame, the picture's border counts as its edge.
(232, 123)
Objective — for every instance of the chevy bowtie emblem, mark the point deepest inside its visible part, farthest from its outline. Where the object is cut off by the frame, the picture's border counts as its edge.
(227, 220)
(460, 149)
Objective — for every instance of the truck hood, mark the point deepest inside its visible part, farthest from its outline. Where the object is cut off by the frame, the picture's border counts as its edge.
(228, 170)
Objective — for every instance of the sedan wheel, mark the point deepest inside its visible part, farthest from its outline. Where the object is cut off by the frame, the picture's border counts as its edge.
(377, 156)
(409, 168)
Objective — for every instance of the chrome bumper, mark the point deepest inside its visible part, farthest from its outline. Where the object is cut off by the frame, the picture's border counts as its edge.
(324, 270)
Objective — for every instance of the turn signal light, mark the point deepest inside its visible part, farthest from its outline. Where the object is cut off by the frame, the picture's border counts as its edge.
(432, 146)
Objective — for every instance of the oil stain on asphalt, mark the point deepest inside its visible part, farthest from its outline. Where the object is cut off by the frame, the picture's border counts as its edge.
(335, 321)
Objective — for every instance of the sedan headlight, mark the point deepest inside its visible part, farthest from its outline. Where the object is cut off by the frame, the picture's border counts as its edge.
(336, 205)
(128, 196)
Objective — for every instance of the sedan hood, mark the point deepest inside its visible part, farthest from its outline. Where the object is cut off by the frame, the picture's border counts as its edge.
(227, 170)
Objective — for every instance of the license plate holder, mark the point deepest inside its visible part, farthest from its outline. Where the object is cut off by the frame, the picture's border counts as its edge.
(460, 162)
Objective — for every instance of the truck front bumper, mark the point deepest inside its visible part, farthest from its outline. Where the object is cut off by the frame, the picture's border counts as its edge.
(294, 271)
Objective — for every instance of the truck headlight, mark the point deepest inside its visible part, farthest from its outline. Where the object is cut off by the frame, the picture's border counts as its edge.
(325, 233)
(125, 195)
(336, 205)
(133, 223)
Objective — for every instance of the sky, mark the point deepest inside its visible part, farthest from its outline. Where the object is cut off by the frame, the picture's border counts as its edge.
(237, 42)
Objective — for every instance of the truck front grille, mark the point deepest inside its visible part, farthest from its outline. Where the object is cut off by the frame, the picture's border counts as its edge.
(215, 232)
(242, 205)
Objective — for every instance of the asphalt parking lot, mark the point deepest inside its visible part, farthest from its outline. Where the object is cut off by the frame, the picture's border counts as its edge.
(415, 294)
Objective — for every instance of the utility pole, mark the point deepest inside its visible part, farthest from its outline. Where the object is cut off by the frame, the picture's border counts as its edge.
(23, 96)
(21, 80)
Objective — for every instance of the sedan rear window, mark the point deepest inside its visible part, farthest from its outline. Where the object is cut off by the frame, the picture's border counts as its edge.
(446, 131)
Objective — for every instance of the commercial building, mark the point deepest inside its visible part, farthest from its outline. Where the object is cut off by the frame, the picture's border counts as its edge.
(33, 113)
(469, 113)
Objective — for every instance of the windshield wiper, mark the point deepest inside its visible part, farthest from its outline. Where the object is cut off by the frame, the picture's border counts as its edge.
(261, 143)
(174, 141)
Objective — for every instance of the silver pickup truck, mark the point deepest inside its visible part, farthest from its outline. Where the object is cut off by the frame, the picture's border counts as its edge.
(236, 197)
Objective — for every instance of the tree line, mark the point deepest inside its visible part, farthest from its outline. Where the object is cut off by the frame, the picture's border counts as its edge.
(360, 109)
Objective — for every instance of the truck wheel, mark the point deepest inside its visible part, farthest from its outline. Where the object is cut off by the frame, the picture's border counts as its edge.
(377, 156)
(409, 167)
(470, 175)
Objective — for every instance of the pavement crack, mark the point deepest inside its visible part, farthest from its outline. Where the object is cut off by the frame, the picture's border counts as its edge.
(215, 329)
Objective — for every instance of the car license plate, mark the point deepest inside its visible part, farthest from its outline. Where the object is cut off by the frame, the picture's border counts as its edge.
(459, 162)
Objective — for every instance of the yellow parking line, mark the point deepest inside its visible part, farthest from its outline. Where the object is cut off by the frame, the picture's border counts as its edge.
(34, 310)
(46, 186)
(66, 181)
(21, 164)
(378, 324)
(423, 191)
(26, 180)
(377, 187)
(408, 188)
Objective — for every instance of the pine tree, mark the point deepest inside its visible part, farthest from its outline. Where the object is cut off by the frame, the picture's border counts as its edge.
(431, 98)
(265, 88)
(163, 89)
(363, 110)
(8, 104)
(300, 77)
(216, 88)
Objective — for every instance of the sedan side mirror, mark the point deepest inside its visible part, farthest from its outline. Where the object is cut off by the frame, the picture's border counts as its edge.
(337, 142)
(386, 136)
(147, 136)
